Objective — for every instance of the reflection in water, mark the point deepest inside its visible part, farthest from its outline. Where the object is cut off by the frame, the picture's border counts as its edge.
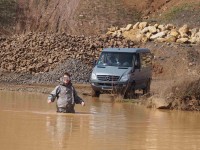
(27, 122)
(60, 129)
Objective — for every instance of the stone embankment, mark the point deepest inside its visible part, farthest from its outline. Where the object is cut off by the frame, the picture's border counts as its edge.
(43, 57)
(42, 52)
(143, 32)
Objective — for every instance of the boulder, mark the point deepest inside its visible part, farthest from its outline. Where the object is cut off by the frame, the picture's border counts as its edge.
(145, 30)
(170, 38)
(193, 40)
(161, 40)
(157, 102)
(174, 33)
(161, 27)
(194, 32)
(182, 40)
(136, 26)
(156, 25)
(158, 35)
(142, 25)
(152, 29)
(128, 27)
(133, 35)
(50, 61)
(148, 35)
(184, 31)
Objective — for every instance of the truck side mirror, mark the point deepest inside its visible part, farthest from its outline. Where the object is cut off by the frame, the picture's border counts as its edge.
(137, 62)
(94, 62)
(137, 65)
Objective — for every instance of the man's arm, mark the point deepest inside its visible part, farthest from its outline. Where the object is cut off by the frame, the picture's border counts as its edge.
(52, 96)
(77, 99)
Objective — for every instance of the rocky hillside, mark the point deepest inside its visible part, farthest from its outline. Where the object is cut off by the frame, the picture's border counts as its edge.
(42, 52)
(92, 16)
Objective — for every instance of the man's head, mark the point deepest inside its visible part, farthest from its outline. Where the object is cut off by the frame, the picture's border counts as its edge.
(66, 78)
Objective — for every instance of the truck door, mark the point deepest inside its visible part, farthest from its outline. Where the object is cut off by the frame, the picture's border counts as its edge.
(137, 72)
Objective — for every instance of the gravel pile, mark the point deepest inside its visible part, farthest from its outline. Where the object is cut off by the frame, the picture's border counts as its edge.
(44, 57)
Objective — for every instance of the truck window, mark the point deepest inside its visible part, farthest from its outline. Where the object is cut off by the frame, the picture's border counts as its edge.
(116, 59)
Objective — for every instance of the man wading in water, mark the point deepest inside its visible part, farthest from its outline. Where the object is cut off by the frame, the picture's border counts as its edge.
(66, 96)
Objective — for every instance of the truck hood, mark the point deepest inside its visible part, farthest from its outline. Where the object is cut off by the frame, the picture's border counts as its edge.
(111, 70)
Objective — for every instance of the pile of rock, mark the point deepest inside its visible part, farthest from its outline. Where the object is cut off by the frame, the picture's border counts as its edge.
(42, 52)
(143, 32)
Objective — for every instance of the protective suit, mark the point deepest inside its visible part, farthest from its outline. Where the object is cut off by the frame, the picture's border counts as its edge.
(66, 98)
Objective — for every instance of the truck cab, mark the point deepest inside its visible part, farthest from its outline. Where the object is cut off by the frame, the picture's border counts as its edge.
(122, 70)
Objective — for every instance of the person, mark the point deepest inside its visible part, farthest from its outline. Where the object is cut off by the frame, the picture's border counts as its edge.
(125, 60)
(66, 96)
(112, 60)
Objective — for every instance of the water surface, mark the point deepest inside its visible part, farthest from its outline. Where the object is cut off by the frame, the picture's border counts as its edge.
(29, 123)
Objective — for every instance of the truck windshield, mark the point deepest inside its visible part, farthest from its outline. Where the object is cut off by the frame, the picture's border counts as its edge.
(116, 59)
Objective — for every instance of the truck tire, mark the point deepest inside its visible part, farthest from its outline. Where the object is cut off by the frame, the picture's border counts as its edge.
(95, 93)
(130, 93)
(146, 90)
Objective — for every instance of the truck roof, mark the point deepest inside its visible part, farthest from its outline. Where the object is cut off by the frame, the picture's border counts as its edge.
(128, 50)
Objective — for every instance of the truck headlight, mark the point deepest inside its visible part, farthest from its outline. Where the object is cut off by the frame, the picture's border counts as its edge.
(125, 77)
(93, 76)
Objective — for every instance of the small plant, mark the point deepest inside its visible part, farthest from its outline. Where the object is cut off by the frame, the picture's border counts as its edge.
(177, 10)
(7, 12)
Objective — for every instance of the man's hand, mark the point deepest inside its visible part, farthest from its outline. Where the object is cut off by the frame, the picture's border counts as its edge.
(49, 101)
(83, 103)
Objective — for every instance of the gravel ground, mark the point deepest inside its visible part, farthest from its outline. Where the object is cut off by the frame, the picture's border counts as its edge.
(80, 74)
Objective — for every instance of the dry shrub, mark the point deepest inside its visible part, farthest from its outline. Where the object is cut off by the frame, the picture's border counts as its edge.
(185, 95)
(189, 88)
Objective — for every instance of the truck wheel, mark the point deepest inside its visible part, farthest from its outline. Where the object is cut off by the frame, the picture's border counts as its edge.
(129, 95)
(146, 90)
(95, 93)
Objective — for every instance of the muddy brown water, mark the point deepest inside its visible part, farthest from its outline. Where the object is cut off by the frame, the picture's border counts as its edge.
(27, 122)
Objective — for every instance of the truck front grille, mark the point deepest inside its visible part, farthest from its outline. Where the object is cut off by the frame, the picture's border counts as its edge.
(107, 78)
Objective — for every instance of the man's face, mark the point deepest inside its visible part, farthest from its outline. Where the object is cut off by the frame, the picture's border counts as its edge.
(66, 79)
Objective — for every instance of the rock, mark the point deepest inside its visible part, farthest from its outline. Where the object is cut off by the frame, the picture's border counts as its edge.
(170, 26)
(148, 35)
(194, 32)
(197, 35)
(133, 35)
(123, 29)
(157, 102)
(161, 40)
(50, 61)
(11, 67)
(145, 30)
(193, 40)
(174, 33)
(184, 31)
(128, 27)
(117, 33)
(142, 25)
(161, 27)
(182, 40)
(156, 25)
(144, 39)
(158, 35)
(136, 26)
(152, 29)
(170, 38)
(112, 29)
